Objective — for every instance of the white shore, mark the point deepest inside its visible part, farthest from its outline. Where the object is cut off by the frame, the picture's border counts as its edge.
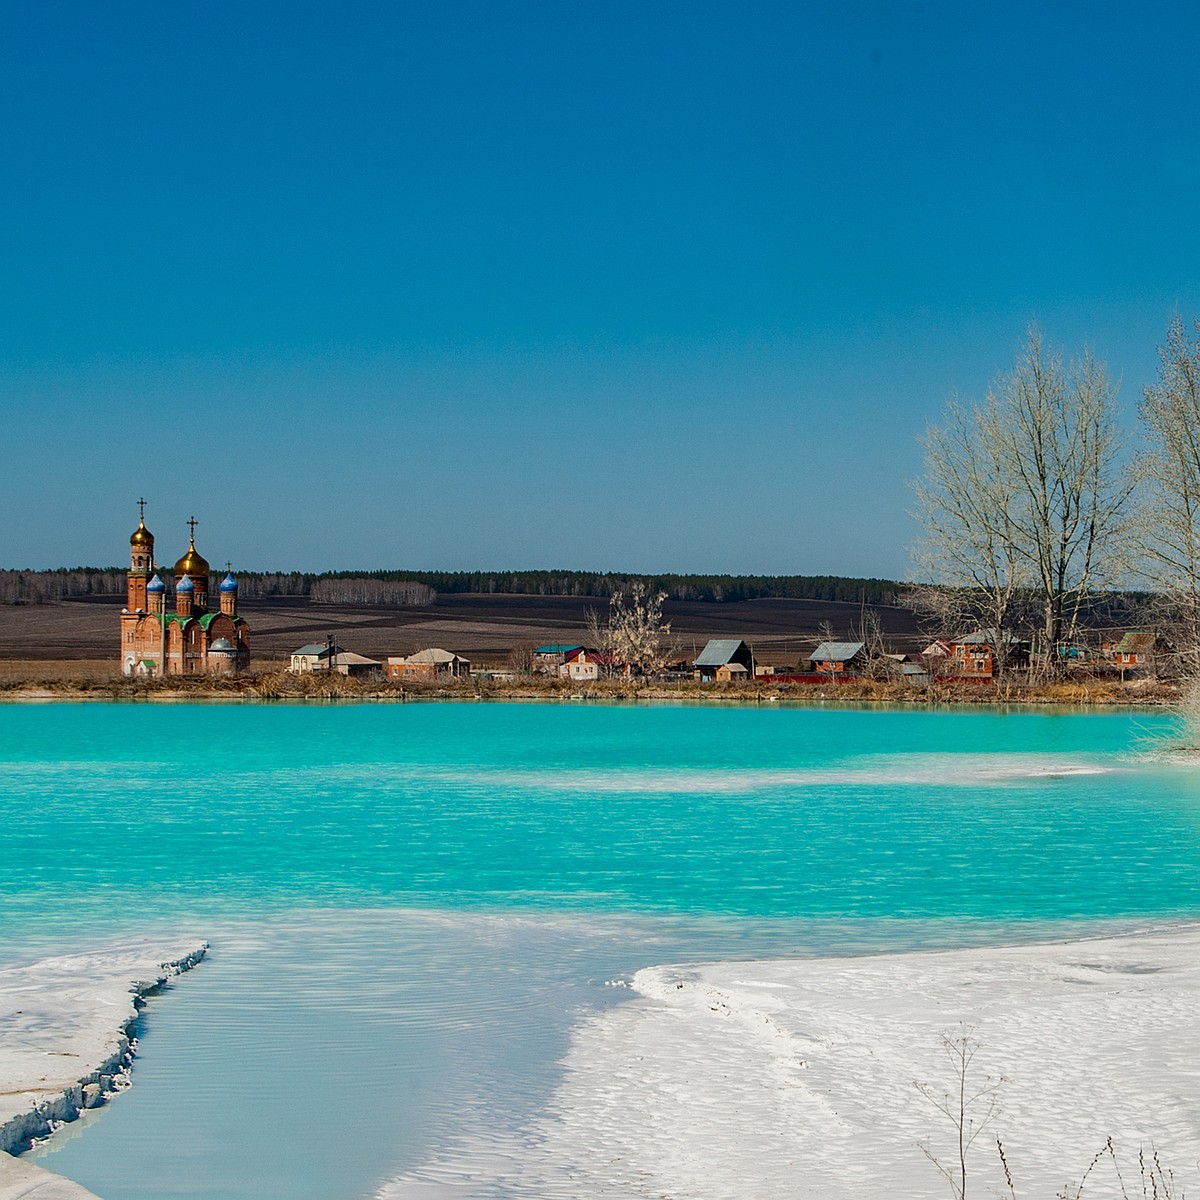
(65, 1045)
(788, 1078)
(796, 1078)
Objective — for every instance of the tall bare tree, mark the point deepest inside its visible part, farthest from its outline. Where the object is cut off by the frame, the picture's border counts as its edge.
(1170, 471)
(968, 502)
(1062, 450)
(636, 634)
(1023, 495)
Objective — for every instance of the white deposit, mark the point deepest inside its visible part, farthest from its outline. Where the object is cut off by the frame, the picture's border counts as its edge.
(65, 1044)
(798, 1078)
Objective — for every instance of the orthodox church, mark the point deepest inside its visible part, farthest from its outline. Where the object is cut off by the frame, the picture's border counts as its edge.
(191, 640)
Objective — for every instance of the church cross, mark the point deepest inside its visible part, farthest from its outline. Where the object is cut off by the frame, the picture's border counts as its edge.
(193, 523)
(142, 508)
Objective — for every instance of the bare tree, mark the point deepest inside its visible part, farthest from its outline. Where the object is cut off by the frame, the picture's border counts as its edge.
(637, 633)
(1023, 495)
(1062, 451)
(520, 657)
(1170, 474)
(875, 651)
(600, 637)
(967, 502)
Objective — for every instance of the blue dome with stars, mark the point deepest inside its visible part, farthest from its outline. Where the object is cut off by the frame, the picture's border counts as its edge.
(156, 585)
(184, 585)
(229, 584)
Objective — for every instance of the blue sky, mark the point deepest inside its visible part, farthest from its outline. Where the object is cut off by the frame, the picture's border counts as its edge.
(623, 286)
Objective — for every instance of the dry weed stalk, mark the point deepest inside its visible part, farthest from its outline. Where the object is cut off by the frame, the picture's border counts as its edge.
(968, 1107)
(1157, 1182)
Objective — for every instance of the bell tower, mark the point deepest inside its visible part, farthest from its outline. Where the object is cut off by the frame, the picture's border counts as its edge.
(141, 563)
(229, 592)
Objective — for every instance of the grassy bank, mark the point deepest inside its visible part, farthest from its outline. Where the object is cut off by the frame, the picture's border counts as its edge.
(61, 684)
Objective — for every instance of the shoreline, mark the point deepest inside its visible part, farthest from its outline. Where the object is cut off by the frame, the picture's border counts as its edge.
(280, 687)
(763, 1073)
(761, 1076)
(67, 1045)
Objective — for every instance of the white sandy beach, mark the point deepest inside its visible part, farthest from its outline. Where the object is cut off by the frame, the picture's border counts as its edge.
(796, 1078)
(65, 1045)
(787, 1078)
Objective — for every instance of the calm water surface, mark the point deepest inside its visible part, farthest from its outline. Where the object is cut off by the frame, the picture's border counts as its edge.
(410, 906)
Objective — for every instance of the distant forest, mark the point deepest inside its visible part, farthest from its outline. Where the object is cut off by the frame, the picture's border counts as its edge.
(391, 588)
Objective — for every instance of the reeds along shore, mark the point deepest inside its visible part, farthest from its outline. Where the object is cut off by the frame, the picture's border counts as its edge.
(57, 681)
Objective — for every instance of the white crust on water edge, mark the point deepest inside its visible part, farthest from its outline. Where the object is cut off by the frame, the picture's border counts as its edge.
(797, 1078)
(66, 1045)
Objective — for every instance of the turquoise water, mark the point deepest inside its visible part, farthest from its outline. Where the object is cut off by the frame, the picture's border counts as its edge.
(410, 905)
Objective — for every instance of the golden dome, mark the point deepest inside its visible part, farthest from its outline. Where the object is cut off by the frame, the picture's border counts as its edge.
(192, 563)
(142, 536)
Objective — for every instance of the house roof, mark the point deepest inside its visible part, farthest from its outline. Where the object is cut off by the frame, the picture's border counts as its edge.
(312, 648)
(988, 637)
(718, 652)
(735, 668)
(434, 655)
(347, 658)
(558, 648)
(837, 651)
(978, 637)
(1136, 643)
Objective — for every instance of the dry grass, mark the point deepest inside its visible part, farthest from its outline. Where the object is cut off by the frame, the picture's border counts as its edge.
(100, 680)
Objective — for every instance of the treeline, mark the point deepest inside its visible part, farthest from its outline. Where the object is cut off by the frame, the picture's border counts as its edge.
(384, 592)
(713, 588)
(48, 587)
(422, 587)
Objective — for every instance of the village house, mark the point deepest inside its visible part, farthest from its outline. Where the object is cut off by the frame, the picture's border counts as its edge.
(839, 658)
(321, 658)
(582, 665)
(429, 665)
(191, 640)
(549, 659)
(939, 648)
(717, 661)
(975, 654)
(1135, 652)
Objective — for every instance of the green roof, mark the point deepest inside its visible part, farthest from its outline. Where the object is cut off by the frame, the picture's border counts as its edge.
(205, 619)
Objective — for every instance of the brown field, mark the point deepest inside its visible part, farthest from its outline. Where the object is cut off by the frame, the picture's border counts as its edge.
(80, 636)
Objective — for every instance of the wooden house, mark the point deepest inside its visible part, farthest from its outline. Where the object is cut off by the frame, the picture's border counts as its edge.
(429, 665)
(580, 665)
(551, 658)
(320, 658)
(1136, 651)
(839, 658)
(975, 654)
(721, 652)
